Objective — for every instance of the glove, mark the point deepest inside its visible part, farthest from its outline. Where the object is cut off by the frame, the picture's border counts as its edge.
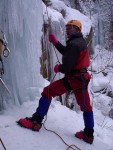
(52, 39)
(56, 68)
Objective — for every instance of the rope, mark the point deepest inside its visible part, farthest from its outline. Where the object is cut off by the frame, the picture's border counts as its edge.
(69, 146)
(2, 144)
(49, 22)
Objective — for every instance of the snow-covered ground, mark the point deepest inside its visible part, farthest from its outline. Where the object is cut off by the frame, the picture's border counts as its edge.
(60, 119)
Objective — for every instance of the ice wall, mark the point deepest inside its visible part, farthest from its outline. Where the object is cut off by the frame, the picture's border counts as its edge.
(21, 21)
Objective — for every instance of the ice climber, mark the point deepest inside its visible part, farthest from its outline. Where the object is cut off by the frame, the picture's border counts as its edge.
(75, 60)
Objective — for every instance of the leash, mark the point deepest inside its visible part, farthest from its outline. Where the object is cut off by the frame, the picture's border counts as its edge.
(2, 144)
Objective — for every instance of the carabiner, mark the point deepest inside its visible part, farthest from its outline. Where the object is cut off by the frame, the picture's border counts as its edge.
(6, 52)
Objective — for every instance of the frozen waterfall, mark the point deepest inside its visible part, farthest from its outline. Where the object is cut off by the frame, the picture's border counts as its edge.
(23, 32)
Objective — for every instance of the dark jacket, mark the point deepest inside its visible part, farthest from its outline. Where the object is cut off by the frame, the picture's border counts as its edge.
(75, 54)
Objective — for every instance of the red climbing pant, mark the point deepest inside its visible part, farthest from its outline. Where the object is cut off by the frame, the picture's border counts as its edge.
(77, 83)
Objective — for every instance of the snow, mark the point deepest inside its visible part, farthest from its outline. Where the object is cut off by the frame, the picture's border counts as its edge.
(73, 14)
(60, 119)
(26, 85)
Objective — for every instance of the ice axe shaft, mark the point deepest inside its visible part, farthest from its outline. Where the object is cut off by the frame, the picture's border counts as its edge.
(5, 86)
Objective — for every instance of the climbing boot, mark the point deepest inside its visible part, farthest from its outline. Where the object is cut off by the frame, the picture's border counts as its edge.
(85, 136)
(33, 123)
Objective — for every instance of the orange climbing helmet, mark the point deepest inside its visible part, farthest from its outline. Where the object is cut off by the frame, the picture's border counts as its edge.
(75, 23)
